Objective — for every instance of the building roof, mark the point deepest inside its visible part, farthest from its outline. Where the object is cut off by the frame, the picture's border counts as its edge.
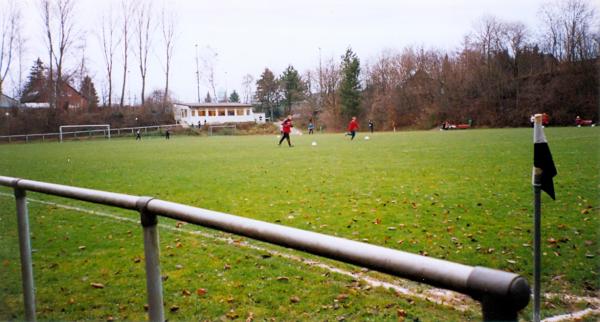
(7, 102)
(214, 105)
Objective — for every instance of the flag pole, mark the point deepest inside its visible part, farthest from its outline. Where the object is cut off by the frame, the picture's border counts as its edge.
(537, 218)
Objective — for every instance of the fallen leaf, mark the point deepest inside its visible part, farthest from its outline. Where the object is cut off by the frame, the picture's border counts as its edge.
(232, 315)
(179, 224)
(137, 260)
(401, 313)
(226, 267)
(551, 240)
(186, 293)
(81, 247)
(97, 285)
(342, 297)
(179, 245)
(201, 291)
(250, 317)
(283, 278)
(294, 299)
(174, 308)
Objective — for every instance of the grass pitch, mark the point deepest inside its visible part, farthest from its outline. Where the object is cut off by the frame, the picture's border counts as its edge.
(464, 196)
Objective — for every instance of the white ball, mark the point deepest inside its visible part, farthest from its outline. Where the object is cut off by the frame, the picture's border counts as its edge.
(314, 143)
(367, 137)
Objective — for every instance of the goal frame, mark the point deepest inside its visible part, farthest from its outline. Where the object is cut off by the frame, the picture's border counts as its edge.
(60, 129)
(211, 127)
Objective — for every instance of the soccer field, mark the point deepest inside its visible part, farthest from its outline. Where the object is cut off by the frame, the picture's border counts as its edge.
(465, 196)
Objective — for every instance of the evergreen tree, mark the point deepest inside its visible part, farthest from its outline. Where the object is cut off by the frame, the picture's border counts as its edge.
(36, 82)
(267, 92)
(207, 99)
(350, 88)
(292, 88)
(234, 97)
(88, 90)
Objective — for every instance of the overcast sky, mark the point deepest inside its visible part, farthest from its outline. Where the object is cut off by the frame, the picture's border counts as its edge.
(249, 35)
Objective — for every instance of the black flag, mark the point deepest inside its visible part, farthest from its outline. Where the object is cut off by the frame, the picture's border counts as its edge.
(542, 159)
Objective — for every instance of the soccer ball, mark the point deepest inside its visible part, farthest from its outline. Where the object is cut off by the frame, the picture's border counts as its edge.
(314, 143)
(367, 137)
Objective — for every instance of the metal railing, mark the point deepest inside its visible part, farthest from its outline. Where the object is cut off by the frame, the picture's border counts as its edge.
(83, 134)
(501, 294)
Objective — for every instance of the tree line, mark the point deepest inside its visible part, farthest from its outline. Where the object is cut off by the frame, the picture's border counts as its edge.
(501, 74)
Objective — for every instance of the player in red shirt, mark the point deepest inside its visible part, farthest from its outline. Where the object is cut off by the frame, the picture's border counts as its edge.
(352, 127)
(286, 128)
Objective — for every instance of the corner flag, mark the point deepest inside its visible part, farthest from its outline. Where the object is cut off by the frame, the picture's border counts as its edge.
(542, 158)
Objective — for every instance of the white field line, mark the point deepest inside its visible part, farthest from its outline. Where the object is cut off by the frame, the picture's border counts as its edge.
(575, 316)
(439, 296)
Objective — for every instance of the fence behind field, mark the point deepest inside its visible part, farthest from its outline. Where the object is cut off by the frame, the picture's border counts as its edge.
(501, 294)
(86, 134)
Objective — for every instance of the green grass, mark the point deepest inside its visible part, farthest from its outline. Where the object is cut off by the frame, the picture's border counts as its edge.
(464, 196)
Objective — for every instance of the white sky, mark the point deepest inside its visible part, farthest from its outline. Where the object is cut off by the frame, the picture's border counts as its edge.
(249, 35)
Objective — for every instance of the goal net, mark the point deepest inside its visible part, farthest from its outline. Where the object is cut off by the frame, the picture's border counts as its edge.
(221, 130)
(84, 129)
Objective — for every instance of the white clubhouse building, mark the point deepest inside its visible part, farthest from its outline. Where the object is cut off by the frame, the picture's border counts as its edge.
(192, 114)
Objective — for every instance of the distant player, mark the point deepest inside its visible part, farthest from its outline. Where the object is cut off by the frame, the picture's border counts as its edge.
(371, 125)
(352, 127)
(168, 133)
(138, 135)
(286, 128)
(311, 127)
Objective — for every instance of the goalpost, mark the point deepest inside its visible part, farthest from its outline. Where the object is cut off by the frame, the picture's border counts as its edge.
(106, 126)
(221, 129)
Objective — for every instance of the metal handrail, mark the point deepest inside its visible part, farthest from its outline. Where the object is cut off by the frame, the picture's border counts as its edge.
(502, 294)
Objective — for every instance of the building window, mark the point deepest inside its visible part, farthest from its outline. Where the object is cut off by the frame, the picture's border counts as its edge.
(221, 112)
(202, 113)
(211, 113)
(193, 113)
(239, 111)
(184, 113)
(230, 112)
(247, 111)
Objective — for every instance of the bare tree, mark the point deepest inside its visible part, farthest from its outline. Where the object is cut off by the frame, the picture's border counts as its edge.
(110, 41)
(58, 18)
(568, 31)
(168, 34)
(126, 15)
(487, 36)
(9, 38)
(209, 63)
(21, 49)
(143, 28)
(247, 84)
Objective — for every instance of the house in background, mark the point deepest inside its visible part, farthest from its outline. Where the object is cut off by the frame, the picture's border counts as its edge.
(38, 96)
(8, 102)
(215, 113)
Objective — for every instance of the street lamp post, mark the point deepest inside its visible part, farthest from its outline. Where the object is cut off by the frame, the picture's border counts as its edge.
(8, 121)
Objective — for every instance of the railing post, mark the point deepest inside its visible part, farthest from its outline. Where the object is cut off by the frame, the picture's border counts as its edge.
(25, 250)
(151, 253)
(502, 295)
